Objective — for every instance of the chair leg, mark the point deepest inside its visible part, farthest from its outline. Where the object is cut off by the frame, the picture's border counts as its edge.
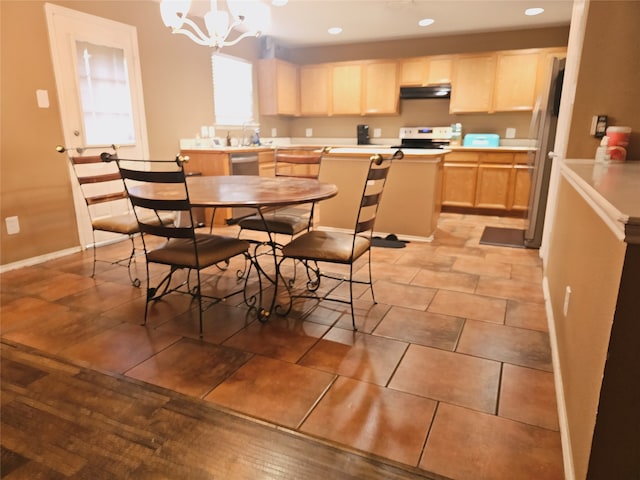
(353, 315)
(134, 281)
(371, 279)
(199, 296)
(93, 273)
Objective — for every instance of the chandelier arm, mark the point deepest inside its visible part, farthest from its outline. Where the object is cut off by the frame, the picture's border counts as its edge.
(198, 32)
(236, 40)
(192, 36)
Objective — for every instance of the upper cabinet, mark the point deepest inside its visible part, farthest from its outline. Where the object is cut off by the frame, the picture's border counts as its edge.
(380, 87)
(503, 81)
(516, 80)
(472, 83)
(421, 71)
(315, 89)
(346, 82)
(277, 87)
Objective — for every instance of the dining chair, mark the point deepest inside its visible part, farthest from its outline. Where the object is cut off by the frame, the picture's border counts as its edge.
(107, 203)
(156, 187)
(300, 163)
(316, 247)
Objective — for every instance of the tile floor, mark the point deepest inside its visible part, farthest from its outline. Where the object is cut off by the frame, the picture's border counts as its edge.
(449, 372)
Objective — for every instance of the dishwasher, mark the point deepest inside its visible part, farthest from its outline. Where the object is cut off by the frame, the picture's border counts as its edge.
(242, 164)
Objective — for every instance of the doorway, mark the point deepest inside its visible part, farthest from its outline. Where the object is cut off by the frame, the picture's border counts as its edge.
(99, 86)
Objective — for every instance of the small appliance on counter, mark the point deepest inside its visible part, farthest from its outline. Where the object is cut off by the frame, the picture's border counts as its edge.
(481, 140)
(425, 137)
(363, 135)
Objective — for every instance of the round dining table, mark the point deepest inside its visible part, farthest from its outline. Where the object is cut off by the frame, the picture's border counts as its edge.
(244, 191)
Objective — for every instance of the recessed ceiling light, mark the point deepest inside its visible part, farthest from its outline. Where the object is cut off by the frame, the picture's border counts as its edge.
(279, 3)
(425, 22)
(533, 11)
(335, 30)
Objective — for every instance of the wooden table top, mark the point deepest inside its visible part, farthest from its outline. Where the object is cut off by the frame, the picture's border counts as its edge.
(243, 191)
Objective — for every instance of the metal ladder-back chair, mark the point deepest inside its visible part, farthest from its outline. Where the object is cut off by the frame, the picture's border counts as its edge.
(177, 246)
(288, 163)
(319, 246)
(107, 204)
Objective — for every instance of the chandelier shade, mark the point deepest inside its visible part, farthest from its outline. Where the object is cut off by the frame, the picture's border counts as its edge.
(220, 24)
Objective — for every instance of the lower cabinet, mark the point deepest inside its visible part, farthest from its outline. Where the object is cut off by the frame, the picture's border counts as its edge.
(497, 181)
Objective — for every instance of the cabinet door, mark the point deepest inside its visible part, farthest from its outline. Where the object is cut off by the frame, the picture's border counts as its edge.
(266, 164)
(459, 184)
(346, 81)
(277, 87)
(521, 187)
(438, 71)
(472, 83)
(494, 181)
(413, 71)
(314, 89)
(381, 91)
(516, 76)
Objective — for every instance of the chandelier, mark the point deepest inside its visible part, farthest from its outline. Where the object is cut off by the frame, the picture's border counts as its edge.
(220, 24)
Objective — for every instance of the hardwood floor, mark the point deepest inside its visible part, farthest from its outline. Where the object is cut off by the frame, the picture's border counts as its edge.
(448, 376)
(72, 422)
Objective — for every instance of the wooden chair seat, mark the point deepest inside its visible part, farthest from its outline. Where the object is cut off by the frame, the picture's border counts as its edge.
(211, 249)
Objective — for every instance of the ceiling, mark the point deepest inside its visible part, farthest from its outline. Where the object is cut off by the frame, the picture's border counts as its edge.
(305, 22)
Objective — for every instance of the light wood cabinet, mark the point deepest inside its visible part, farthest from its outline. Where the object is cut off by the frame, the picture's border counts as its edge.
(421, 71)
(516, 80)
(439, 70)
(472, 83)
(346, 91)
(315, 88)
(486, 180)
(381, 93)
(277, 87)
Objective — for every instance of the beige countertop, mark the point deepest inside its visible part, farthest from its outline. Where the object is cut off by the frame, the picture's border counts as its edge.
(363, 149)
(612, 190)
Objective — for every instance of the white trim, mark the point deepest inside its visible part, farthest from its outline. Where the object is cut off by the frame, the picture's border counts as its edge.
(39, 259)
(565, 436)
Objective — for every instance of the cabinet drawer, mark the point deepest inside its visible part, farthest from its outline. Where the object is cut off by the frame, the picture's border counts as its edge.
(521, 158)
(462, 157)
(504, 158)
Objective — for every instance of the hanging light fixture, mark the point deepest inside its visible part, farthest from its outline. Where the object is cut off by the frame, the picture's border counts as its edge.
(219, 23)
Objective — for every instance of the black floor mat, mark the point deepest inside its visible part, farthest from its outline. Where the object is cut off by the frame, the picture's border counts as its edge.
(503, 237)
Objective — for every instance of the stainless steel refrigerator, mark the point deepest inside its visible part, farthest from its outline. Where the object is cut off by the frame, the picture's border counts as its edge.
(543, 129)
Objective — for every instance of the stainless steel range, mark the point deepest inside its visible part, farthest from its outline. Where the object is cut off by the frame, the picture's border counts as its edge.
(425, 137)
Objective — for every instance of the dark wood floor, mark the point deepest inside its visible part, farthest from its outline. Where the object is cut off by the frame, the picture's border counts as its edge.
(60, 421)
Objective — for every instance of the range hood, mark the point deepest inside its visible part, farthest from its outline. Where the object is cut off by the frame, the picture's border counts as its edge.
(432, 91)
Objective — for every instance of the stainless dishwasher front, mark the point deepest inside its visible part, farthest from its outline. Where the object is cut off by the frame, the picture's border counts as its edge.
(242, 164)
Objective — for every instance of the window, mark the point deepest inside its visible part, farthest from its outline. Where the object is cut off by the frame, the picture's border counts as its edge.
(232, 90)
(105, 95)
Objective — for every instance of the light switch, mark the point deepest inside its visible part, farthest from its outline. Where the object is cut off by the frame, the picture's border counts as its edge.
(13, 225)
(42, 97)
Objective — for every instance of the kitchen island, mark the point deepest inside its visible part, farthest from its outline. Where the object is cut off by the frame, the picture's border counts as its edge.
(411, 202)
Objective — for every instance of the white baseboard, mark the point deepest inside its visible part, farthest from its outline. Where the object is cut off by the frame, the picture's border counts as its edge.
(39, 259)
(567, 452)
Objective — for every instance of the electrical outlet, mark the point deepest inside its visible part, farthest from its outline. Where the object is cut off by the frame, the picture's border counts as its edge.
(274, 132)
(510, 133)
(377, 132)
(309, 132)
(13, 225)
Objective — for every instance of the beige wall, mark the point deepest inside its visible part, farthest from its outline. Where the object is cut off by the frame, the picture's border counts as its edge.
(586, 256)
(176, 75)
(609, 77)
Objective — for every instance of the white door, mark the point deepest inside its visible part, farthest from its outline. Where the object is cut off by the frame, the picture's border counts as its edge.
(99, 85)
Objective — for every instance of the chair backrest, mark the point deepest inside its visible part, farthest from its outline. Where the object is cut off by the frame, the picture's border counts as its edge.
(372, 191)
(146, 183)
(299, 162)
(99, 186)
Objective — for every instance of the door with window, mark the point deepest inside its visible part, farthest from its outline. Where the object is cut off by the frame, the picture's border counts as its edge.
(99, 85)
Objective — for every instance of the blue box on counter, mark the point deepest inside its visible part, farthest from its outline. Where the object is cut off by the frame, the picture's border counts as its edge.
(481, 140)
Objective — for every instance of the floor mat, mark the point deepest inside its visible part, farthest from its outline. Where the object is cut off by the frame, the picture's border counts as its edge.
(503, 237)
